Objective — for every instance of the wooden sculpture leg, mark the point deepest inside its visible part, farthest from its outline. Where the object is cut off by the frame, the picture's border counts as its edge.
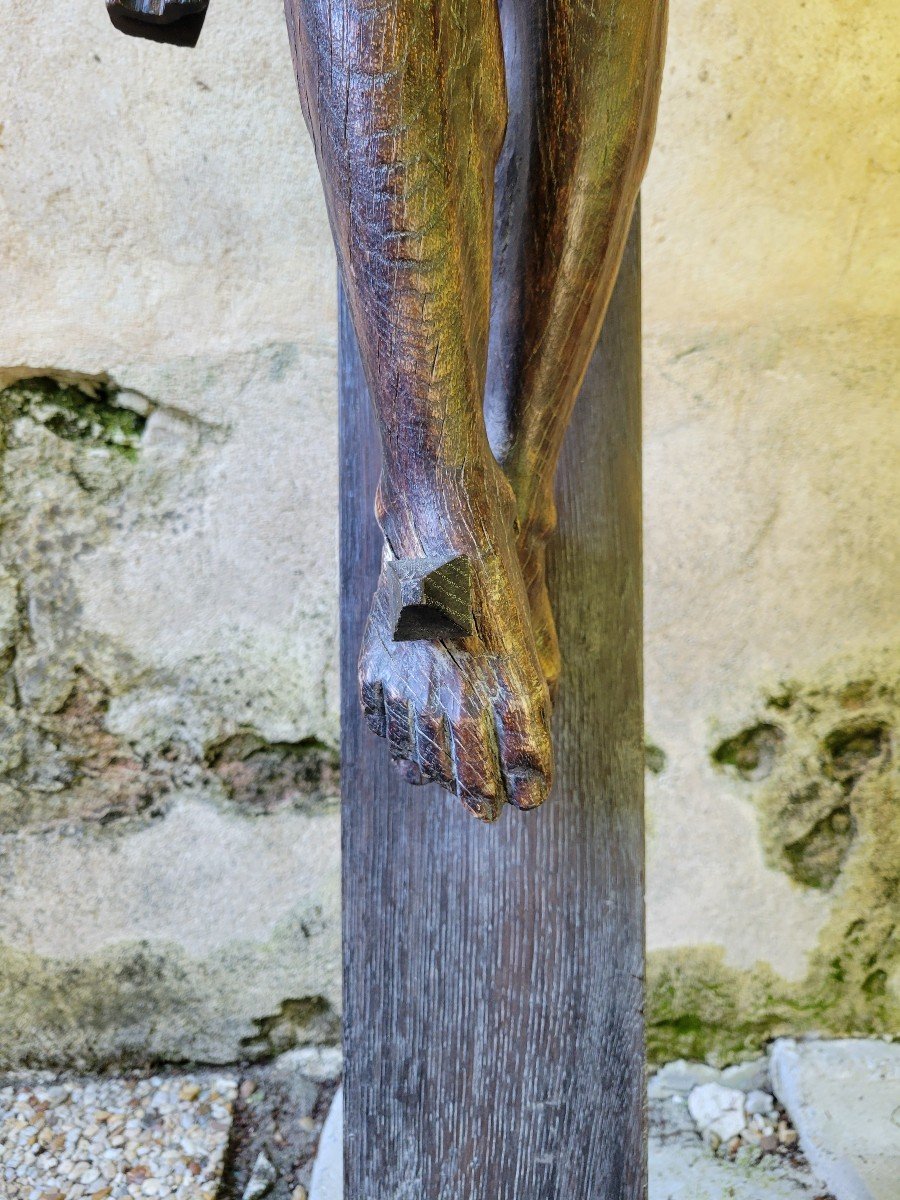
(405, 102)
(583, 83)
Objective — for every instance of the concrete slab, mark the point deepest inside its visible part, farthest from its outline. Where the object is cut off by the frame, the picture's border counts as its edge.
(843, 1098)
(328, 1172)
(681, 1166)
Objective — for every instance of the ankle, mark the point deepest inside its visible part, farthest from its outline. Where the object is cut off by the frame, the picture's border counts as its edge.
(536, 520)
(446, 512)
(535, 506)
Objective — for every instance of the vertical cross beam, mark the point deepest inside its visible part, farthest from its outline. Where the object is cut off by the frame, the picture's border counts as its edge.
(493, 975)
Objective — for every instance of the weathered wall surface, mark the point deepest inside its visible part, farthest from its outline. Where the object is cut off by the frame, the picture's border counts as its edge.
(772, 456)
(168, 711)
(169, 714)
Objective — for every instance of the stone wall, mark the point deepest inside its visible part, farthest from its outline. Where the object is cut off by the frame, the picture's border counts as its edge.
(169, 812)
(772, 523)
(168, 587)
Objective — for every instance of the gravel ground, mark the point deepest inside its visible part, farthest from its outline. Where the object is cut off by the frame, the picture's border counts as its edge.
(252, 1132)
(235, 1134)
(105, 1139)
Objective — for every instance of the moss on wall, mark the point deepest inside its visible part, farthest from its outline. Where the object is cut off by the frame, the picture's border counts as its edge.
(259, 776)
(69, 448)
(137, 1003)
(96, 419)
(819, 764)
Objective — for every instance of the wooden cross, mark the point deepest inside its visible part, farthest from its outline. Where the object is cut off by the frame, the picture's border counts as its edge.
(493, 975)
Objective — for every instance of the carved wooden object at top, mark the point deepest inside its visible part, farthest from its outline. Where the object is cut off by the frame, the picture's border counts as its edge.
(481, 160)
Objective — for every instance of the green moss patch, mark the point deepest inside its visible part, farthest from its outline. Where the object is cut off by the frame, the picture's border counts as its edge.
(752, 752)
(136, 1004)
(95, 419)
(654, 758)
(821, 768)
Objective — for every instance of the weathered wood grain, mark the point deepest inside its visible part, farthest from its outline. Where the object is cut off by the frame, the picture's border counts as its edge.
(493, 974)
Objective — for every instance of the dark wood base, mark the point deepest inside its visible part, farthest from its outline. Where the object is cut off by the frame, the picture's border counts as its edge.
(493, 975)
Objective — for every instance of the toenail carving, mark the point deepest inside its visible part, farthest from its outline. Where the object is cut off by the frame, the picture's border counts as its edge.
(430, 600)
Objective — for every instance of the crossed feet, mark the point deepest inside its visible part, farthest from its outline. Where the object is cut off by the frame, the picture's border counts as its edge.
(471, 714)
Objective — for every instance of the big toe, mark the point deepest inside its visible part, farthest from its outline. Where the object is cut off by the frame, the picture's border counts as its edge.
(411, 772)
(527, 790)
(525, 750)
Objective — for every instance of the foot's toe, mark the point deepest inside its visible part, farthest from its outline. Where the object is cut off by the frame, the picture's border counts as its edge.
(433, 749)
(399, 727)
(372, 696)
(527, 791)
(524, 746)
(411, 773)
(475, 767)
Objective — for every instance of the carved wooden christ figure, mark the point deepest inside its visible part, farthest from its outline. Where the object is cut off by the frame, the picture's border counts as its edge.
(481, 162)
(481, 167)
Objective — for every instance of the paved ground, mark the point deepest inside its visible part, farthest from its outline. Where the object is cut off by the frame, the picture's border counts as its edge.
(279, 1113)
(816, 1121)
(683, 1166)
(107, 1139)
(199, 1136)
(691, 1105)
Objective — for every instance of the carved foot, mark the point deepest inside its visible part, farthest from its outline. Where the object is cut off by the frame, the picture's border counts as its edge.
(450, 677)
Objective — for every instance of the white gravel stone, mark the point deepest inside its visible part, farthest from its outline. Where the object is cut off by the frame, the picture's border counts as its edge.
(679, 1078)
(321, 1064)
(717, 1110)
(759, 1103)
(74, 1153)
(261, 1181)
(747, 1076)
